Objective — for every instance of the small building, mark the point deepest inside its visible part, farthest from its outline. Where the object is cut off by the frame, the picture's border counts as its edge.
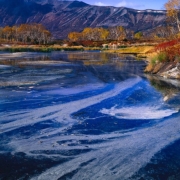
(113, 45)
(105, 46)
(65, 45)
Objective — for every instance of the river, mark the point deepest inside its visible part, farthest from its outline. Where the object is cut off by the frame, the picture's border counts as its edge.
(86, 115)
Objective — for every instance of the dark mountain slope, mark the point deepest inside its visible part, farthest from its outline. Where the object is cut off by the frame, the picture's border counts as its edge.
(62, 17)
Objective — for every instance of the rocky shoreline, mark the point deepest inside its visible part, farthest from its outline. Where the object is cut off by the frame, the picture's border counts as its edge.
(165, 69)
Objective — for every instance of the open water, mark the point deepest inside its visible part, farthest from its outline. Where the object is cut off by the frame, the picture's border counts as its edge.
(86, 115)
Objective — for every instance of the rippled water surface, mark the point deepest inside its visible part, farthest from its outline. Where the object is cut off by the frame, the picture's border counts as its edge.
(86, 115)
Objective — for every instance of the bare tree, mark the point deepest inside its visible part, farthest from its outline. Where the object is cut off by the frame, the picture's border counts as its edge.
(173, 11)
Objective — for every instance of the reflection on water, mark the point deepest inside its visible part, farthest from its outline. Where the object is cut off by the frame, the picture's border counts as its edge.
(168, 87)
(86, 115)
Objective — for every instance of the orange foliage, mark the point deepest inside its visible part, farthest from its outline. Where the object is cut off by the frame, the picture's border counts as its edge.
(34, 33)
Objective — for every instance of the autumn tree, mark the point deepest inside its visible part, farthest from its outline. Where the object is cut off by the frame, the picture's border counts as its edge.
(130, 33)
(7, 33)
(39, 34)
(15, 33)
(103, 33)
(1, 32)
(173, 11)
(138, 35)
(23, 32)
(74, 36)
(88, 34)
(34, 33)
(92, 34)
(117, 33)
(99, 34)
(122, 33)
(164, 32)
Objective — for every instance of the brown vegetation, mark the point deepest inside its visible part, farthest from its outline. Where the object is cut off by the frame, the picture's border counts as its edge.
(99, 34)
(25, 33)
(166, 61)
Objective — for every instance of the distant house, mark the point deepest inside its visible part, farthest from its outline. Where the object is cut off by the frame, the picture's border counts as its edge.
(114, 45)
(111, 45)
(65, 45)
(105, 46)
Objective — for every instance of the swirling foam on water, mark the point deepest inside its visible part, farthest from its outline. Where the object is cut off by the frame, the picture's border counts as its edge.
(142, 112)
(63, 112)
(117, 156)
(4, 66)
(52, 131)
(76, 90)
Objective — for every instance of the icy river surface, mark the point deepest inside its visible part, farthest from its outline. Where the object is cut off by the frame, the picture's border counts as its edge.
(86, 116)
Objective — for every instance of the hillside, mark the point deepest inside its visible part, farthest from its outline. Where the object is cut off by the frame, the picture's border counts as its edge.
(62, 17)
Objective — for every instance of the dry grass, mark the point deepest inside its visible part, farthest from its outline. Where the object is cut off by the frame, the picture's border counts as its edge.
(132, 50)
(40, 48)
(45, 48)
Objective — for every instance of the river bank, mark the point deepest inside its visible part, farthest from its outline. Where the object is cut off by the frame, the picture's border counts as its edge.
(141, 51)
(164, 69)
(44, 48)
(138, 50)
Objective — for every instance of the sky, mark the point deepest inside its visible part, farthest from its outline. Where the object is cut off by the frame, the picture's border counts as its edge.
(136, 4)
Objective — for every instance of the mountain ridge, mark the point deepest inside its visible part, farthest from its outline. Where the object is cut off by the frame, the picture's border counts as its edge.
(62, 17)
